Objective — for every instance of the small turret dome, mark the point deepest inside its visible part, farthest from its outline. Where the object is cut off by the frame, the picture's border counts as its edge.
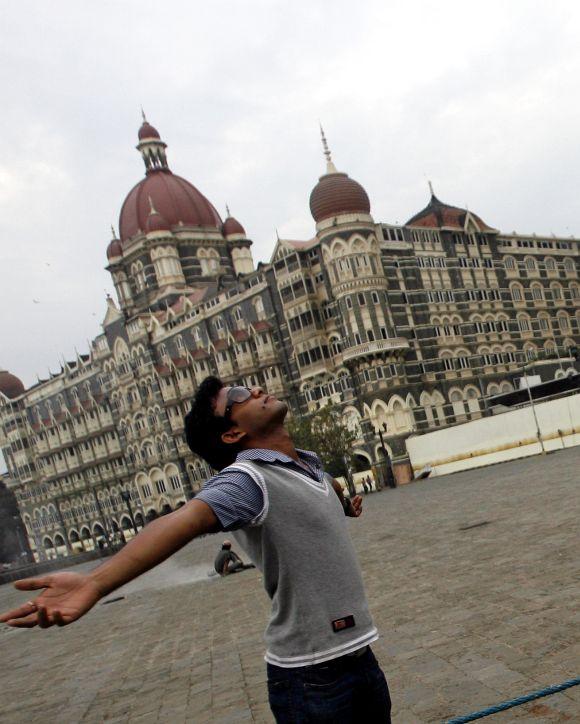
(10, 385)
(155, 220)
(147, 131)
(336, 193)
(232, 226)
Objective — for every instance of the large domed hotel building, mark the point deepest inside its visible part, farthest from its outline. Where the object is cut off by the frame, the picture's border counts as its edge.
(405, 327)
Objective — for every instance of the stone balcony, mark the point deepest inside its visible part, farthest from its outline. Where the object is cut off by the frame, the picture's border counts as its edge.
(378, 347)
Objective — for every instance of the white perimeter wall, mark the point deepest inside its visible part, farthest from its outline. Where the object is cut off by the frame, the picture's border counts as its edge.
(497, 438)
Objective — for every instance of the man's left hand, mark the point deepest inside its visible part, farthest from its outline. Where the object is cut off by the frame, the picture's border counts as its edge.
(355, 507)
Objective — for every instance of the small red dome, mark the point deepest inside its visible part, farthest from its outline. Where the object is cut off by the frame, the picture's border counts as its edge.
(114, 249)
(156, 222)
(10, 385)
(232, 226)
(336, 193)
(437, 215)
(176, 200)
(147, 131)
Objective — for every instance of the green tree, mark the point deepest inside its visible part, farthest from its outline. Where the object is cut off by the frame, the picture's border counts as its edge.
(326, 433)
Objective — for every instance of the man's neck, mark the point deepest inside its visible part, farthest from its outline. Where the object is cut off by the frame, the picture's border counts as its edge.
(278, 440)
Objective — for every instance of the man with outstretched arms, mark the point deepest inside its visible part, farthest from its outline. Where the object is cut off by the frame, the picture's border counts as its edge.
(289, 517)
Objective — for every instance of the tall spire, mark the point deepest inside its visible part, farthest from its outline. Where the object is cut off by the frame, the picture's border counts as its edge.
(431, 188)
(330, 167)
(143, 116)
(228, 211)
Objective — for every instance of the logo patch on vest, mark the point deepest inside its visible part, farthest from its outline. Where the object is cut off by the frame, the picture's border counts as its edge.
(340, 624)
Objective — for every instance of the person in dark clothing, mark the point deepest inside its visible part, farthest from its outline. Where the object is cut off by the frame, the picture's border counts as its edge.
(229, 562)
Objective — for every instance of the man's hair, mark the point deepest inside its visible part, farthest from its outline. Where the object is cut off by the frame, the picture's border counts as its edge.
(204, 429)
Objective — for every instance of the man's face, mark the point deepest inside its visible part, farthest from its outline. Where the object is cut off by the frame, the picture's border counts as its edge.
(256, 415)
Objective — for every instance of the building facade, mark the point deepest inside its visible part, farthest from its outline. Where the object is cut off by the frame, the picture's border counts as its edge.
(405, 327)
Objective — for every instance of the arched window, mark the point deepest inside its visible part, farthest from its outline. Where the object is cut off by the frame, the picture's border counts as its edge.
(509, 263)
(537, 292)
(456, 400)
(516, 292)
(531, 351)
(138, 274)
(564, 322)
(569, 265)
(544, 322)
(530, 263)
(524, 322)
(550, 263)
(557, 292)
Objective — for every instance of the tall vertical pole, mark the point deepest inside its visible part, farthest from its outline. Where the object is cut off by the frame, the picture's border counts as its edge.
(534, 412)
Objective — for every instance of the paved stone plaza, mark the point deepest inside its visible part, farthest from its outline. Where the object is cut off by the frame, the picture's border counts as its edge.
(469, 616)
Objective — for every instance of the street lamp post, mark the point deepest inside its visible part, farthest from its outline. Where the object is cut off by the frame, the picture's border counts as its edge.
(21, 543)
(126, 495)
(388, 473)
(534, 410)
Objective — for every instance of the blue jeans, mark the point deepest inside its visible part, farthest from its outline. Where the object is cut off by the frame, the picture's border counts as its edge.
(348, 690)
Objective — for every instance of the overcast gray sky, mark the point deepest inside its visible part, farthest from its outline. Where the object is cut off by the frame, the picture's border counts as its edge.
(480, 97)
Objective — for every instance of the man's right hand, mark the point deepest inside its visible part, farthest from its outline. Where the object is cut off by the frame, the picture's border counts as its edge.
(65, 598)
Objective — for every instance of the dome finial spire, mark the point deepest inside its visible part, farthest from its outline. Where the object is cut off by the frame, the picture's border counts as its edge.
(330, 167)
(151, 146)
(228, 211)
(431, 188)
(114, 236)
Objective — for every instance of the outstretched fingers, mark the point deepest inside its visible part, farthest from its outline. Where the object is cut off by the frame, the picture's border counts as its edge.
(23, 621)
(25, 610)
(32, 584)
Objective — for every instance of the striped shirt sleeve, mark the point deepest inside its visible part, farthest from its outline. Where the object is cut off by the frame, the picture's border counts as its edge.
(235, 498)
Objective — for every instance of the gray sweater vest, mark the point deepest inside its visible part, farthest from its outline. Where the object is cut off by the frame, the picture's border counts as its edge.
(300, 543)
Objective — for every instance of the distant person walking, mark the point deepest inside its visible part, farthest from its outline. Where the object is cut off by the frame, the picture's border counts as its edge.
(290, 520)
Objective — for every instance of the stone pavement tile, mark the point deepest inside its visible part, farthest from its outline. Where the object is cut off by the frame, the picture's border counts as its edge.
(405, 716)
(231, 714)
(149, 718)
(500, 677)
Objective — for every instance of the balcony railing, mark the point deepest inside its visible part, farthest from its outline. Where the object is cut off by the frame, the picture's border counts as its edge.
(377, 347)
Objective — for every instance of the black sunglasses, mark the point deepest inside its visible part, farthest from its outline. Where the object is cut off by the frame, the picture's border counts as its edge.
(236, 394)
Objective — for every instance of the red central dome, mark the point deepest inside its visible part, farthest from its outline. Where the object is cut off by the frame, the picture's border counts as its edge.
(10, 385)
(176, 200)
